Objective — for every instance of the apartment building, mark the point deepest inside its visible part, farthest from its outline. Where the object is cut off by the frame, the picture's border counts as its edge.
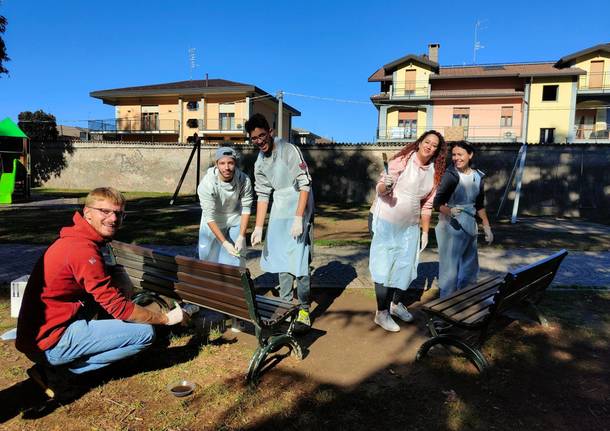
(215, 109)
(562, 101)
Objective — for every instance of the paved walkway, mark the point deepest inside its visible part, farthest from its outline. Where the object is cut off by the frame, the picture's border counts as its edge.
(347, 266)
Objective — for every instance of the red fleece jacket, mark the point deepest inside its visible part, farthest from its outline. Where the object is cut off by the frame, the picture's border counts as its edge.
(70, 274)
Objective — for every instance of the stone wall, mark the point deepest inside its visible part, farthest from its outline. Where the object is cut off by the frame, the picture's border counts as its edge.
(560, 180)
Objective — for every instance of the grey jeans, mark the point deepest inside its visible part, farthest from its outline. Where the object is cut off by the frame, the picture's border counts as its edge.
(303, 288)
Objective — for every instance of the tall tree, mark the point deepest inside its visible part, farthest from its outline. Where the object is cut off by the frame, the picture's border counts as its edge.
(39, 126)
(3, 57)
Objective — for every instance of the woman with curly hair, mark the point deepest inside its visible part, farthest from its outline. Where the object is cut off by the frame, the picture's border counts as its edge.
(404, 197)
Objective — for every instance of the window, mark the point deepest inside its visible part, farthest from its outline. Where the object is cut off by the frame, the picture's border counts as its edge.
(547, 136)
(407, 121)
(150, 117)
(192, 123)
(461, 117)
(410, 75)
(227, 121)
(506, 116)
(192, 106)
(549, 93)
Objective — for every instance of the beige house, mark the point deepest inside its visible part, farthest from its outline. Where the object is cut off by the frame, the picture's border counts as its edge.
(215, 109)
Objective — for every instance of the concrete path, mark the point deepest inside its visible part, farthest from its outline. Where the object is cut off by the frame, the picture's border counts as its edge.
(347, 266)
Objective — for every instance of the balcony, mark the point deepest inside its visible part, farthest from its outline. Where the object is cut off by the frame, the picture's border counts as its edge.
(134, 126)
(453, 133)
(591, 133)
(594, 83)
(408, 90)
(222, 125)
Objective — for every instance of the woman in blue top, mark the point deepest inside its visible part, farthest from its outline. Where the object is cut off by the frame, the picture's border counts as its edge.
(459, 199)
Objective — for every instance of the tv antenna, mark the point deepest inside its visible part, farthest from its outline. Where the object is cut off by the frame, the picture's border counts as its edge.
(192, 61)
(477, 44)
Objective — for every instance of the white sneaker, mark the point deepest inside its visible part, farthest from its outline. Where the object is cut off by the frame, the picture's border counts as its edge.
(383, 319)
(401, 312)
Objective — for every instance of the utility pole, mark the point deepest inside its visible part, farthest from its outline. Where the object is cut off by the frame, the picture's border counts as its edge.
(280, 113)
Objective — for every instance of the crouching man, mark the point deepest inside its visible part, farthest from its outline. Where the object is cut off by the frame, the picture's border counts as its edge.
(67, 287)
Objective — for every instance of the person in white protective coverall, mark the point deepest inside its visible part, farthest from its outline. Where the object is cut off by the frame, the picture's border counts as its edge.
(459, 199)
(225, 195)
(404, 196)
(281, 170)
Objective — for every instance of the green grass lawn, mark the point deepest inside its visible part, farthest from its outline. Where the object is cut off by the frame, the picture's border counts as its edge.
(151, 220)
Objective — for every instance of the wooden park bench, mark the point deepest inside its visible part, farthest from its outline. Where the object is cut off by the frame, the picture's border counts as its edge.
(469, 317)
(223, 288)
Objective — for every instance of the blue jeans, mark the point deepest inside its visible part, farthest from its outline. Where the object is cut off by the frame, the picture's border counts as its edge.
(88, 345)
(303, 288)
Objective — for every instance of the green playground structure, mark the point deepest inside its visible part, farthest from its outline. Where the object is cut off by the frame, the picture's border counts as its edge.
(7, 185)
(14, 146)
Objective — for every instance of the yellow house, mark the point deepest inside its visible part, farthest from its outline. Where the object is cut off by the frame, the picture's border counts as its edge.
(536, 102)
(214, 109)
(591, 113)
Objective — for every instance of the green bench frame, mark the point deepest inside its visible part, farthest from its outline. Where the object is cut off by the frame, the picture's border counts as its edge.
(469, 317)
(223, 288)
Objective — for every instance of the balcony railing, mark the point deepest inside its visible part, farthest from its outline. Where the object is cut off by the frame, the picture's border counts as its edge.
(124, 125)
(226, 124)
(473, 133)
(410, 90)
(594, 82)
(589, 133)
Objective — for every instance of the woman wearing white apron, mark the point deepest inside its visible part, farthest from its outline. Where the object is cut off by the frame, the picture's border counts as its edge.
(225, 194)
(404, 196)
(459, 198)
(281, 170)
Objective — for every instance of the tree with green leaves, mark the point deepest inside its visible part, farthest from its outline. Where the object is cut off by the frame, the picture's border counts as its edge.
(39, 126)
(3, 57)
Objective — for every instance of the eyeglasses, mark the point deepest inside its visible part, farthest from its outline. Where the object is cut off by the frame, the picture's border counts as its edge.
(107, 212)
(259, 138)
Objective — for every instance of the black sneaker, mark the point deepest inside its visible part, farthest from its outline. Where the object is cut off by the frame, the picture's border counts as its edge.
(39, 375)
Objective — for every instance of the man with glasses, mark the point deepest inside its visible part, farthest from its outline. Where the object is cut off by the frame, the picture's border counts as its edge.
(281, 170)
(68, 287)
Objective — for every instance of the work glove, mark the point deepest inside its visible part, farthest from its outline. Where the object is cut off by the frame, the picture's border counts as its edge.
(240, 244)
(257, 235)
(455, 211)
(489, 236)
(174, 316)
(297, 227)
(424, 241)
(388, 182)
(229, 248)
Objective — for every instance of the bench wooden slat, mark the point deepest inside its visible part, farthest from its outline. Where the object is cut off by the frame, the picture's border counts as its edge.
(217, 295)
(265, 299)
(141, 262)
(221, 307)
(151, 277)
(232, 289)
(477, 317)
(472, 304)
(441, 304)
(201, 265)
(138, 283)
(132, 249)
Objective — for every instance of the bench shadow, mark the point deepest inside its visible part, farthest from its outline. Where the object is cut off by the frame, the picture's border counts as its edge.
(27, 398)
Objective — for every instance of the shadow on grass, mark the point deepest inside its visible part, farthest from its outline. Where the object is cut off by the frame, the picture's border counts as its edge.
(26, 397)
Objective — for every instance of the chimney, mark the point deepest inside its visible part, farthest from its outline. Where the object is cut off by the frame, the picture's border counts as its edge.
(433, 51)
(206, 80)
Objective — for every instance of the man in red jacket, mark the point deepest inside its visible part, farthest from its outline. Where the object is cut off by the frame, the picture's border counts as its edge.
(65, 290)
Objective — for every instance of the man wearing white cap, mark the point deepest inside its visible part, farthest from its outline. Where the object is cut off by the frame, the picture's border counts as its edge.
(225, 194)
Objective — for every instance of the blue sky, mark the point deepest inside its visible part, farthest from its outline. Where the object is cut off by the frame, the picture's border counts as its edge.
(62, 50)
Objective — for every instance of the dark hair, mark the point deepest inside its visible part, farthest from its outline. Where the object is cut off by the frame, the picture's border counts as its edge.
(438, 158)
(257, 121)
(464, 145)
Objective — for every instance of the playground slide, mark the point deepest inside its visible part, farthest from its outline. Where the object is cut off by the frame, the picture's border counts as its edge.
(7, 185)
